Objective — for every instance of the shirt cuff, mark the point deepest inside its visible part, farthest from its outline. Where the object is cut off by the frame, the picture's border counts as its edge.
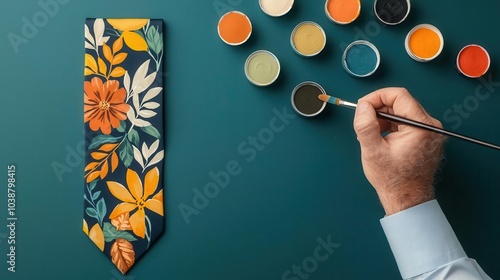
(421, 239)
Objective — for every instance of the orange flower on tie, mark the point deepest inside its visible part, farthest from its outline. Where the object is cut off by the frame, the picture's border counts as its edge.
(137, 198)
(121, 222)
(104, 105)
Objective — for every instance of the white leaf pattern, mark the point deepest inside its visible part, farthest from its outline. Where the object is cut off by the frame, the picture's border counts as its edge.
(140, 75)
(138, 156)
(152, 93)
(126, 83)
(151, 105)
(98, 31)
(131, 115)
(157, 158)
(142, 86)
(141, 123)
(145, 151)
(147, 114)
(89, 46)
(154, 147)
(135, 101)
(88, 36)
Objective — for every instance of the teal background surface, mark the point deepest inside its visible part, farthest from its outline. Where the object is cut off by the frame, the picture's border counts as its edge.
(303, 183)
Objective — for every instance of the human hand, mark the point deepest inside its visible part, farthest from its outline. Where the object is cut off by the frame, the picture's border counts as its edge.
(400, 166)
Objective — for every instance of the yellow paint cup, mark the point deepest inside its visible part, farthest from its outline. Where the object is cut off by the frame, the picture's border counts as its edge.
(308, 39)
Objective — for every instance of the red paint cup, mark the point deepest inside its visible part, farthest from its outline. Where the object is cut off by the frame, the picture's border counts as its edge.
(473, 61)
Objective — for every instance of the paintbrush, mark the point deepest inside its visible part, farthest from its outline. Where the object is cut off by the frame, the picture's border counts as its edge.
(398, 119)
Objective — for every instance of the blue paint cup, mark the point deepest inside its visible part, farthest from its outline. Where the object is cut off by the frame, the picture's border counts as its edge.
(361, 59)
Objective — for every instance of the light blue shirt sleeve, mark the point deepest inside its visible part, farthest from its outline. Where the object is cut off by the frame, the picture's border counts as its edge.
(425, 246)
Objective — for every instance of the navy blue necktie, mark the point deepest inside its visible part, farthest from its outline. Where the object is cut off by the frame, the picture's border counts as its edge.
(123, 119)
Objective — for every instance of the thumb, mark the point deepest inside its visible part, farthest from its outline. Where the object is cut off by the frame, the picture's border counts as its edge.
(366, 126)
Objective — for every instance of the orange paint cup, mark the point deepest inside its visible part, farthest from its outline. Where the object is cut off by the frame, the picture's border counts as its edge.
(424, 43)
(342, 11)
(234, 28)
(473, 61)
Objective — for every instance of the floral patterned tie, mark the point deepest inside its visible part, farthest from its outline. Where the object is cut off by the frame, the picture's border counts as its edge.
(123, 119)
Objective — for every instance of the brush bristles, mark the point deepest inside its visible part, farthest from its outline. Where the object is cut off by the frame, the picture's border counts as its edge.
(329, 99)
(323, 97)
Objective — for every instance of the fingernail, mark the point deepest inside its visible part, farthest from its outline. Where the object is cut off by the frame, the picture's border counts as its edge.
(362, 107)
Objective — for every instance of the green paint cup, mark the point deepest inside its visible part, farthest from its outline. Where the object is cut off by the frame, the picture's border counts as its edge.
(262, 68)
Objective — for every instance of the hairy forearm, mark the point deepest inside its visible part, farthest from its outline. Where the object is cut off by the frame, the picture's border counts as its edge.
(404, 198)
(409, 182)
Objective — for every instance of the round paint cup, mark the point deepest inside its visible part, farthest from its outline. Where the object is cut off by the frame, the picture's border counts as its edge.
(234, 28)
(361, 59)
(276, 8)
(305, 99)
(342, 11)
(424, 42)
(262, 68)
(473, 61)
(308, 39)
(392, 12)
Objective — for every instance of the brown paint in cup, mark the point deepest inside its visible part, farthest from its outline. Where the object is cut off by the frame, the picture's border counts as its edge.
(305, 99)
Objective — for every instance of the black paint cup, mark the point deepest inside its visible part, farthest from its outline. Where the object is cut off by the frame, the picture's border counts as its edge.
(305, 99)
(392, 12)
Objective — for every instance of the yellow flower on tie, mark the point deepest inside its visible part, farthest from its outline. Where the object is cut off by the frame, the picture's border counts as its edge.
(128, 24)
(132, 39)
(137, 198)
(95, 234)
